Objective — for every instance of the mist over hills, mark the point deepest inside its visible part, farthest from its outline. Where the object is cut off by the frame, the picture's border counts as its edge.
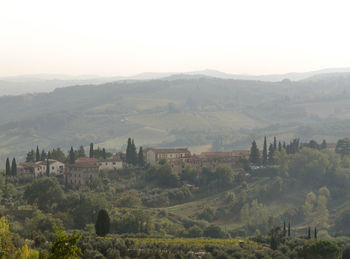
(17, 85)
(180, 110)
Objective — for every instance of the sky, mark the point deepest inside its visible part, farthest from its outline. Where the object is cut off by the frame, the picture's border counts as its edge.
(110, 38)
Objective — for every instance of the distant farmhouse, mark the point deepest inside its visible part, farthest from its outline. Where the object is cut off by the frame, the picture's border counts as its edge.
(39, 168)
(179, 158)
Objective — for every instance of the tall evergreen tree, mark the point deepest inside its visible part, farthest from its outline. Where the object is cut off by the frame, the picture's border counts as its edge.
(274, 143)
(289, 229)
(14, 167)
(49, 155)
(279, 146)
(141, 161)
(264, 158)
(47, 167)
(37, 154)
(308, 233)
(91, 153)
(71, 156)
(324, 144)
(133, 153)
(315, 233)
(81, 152)
(271, 154)
(102, 223)
(128, 152)
(284, 228)
(104, 153)
(8, 167)
(254, 156)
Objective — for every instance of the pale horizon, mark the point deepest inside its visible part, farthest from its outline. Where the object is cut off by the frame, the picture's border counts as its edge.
(117, 38)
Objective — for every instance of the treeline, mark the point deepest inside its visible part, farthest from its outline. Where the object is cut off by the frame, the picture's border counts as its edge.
(266, 157)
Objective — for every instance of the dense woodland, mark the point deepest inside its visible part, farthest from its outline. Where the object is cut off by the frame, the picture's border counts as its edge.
(291, 201)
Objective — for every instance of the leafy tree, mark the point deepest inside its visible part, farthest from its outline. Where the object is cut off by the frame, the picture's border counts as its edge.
(58, 155)
(43, 155)
(309, 165)
(162, 175)
(30, 156)
(224, 175)
(64, 246)
(195, 232)
(81, 152)
(26, 253)
(14, 167)
(276, 235)
(102, 223)
(343, 147)
(214, 232)
(321, 249)
(264, 156)
(8, 167)
(141, 160)
(254, 156)
(91, 153)
(45, 192)
(37, 154)
(6, 245)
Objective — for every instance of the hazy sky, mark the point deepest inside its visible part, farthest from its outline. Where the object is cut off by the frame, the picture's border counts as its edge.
(128, 37)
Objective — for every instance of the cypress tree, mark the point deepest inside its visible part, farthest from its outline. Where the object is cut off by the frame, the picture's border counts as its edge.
(14, 167)
(133, 153)
(264, 158)
(47, 168)
(37, 154)
(315, 233)
(102, 223)
(324, 144)
(274, 143)
(128, 152)
(91, 153)
(279, 146)
(8, 167)
(308, 233)
(271, 154)
(254, 156)
(141, 158)
(104, 153)
(284, 228)
(71, 156)
(289, 228)
(49, 155)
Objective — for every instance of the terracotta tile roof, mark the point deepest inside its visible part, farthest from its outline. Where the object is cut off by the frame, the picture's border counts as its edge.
(169, 150)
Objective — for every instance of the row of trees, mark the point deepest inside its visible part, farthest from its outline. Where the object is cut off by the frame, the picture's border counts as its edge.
(267, 156)
(132, 157)
(11, 170)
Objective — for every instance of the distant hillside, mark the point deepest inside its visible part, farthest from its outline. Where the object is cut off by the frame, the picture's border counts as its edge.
(191, 111)
(17, 85)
